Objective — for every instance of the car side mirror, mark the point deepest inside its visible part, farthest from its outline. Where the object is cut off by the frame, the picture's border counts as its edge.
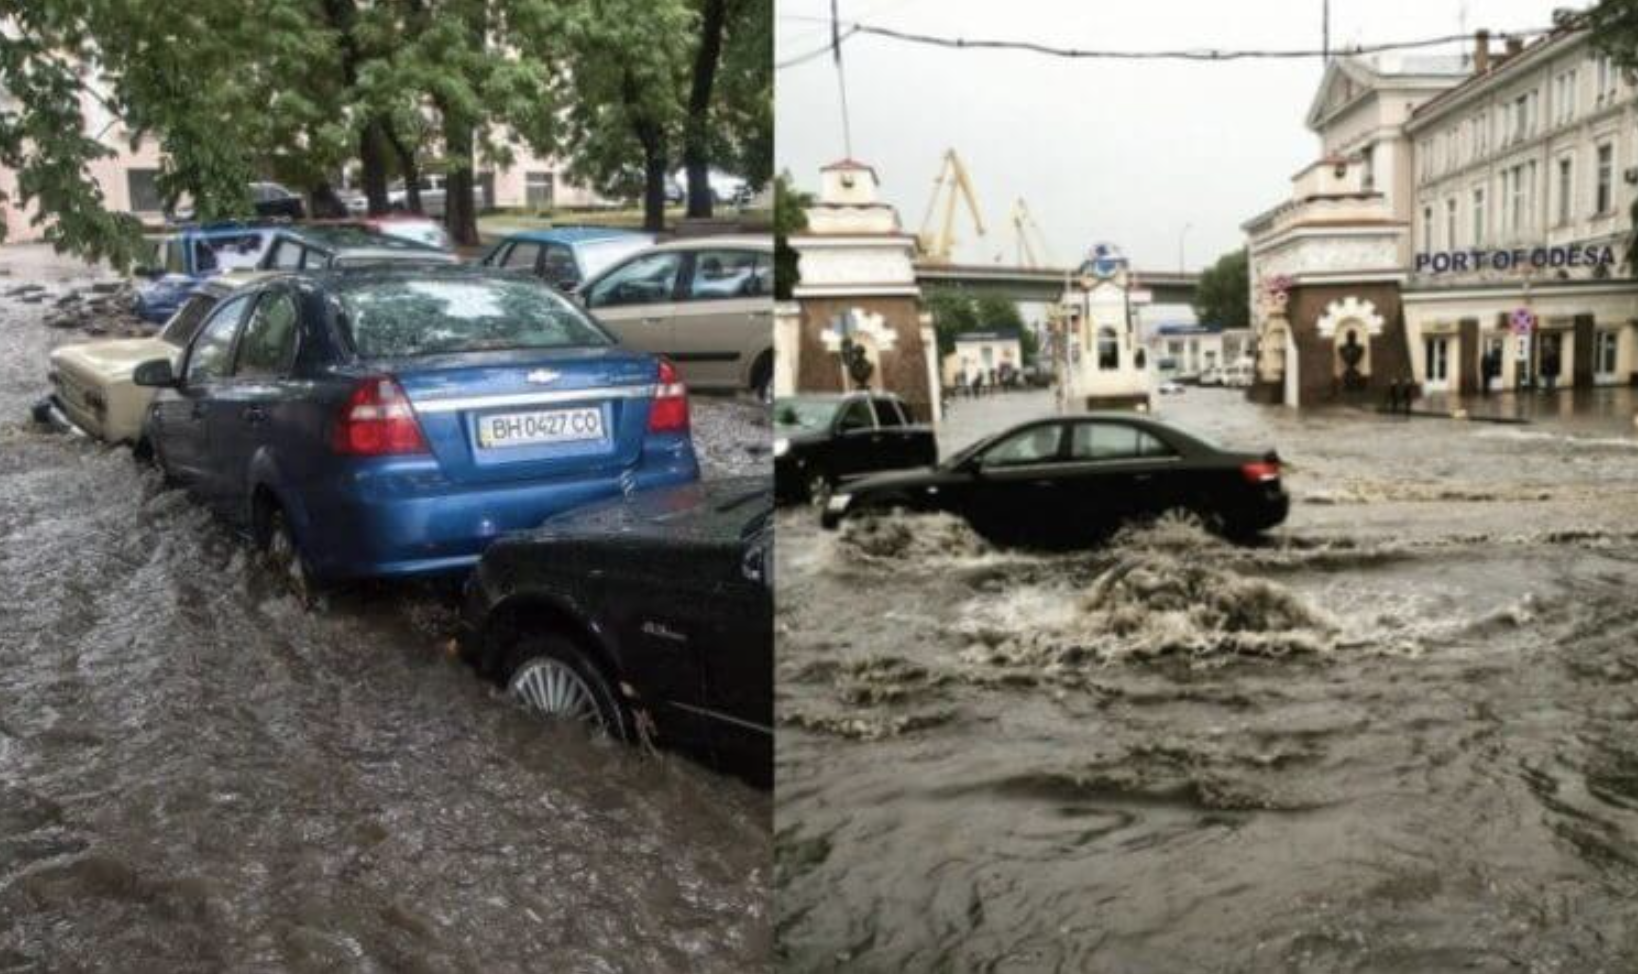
(155, 374)
(567, 287)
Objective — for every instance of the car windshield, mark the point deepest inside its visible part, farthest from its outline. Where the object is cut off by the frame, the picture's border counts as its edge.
(599, 255)
(405, 317)
(808, 414)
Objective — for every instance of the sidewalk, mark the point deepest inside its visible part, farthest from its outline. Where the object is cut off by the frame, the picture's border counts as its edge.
(1608, 409)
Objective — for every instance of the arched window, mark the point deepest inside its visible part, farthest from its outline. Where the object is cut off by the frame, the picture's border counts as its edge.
(1108, 349)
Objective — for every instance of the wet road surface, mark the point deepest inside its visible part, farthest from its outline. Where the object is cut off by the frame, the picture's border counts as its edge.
(1398, 736)
(196, 775)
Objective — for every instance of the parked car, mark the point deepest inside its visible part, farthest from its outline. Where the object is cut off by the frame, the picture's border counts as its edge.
(434, 193)
(822, 440)
(1239, 375)
(1068, 482)
(704, 303)
(345, 244)
(1211, 375)
(273, 200)
(91, 382)
(189, 255)
(393, 420)
(565, 256)
(644, 616)
(1170, 387)
(407, 226)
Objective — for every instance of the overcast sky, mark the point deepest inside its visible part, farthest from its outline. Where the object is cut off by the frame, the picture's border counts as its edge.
(1124, 152)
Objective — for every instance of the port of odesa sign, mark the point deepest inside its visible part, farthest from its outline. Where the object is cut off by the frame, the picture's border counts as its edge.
(1518, 258)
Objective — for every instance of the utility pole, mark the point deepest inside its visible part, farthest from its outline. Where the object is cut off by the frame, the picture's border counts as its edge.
(1325, 32)
(841, 79)
(1181, 263)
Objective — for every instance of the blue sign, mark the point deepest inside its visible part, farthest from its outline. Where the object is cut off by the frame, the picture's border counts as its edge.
(1519, 258)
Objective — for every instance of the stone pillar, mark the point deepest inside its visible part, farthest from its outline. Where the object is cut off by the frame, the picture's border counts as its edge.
(857, 283)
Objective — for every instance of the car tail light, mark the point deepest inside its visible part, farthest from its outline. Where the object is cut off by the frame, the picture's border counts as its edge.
(669, 413)
(1261, 471)
(377, 421)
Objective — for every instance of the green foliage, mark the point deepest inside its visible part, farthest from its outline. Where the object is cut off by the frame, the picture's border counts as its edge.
(301, 90)
(43, 140)
(955, 311)
(789, 217)
(1224, 294)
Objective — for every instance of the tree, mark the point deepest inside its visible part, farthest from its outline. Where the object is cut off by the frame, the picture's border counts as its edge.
(1223, 296)
(789, 217)
(734, 119)
(44, 139)
(628, 60)
(956, 311)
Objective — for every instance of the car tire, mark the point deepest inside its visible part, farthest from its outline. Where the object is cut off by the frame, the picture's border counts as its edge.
(762, 379)
(284, 557)
(553, 677)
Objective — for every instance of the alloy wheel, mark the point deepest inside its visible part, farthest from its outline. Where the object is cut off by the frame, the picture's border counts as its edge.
(550, 687)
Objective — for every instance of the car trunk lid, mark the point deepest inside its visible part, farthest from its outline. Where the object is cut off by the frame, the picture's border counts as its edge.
(508, 416)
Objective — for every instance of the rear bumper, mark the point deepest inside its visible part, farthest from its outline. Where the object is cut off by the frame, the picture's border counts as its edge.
(371, 528)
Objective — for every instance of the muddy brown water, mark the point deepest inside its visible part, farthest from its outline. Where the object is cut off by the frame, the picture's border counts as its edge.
(1400, 735)
(196, 775)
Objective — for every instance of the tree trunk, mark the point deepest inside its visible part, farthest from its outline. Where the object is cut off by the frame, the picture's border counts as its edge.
(460, 216)
(373, 164)
(696, 148)
(410, 168)
(654, 176)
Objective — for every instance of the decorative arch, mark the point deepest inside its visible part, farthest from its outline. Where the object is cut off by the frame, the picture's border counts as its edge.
(1350, 324)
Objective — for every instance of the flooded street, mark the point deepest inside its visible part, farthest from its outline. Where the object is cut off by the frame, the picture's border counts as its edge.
(198, 775)
(1396, 736)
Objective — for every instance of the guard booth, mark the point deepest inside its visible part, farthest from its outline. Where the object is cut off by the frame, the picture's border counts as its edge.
(1110, 367)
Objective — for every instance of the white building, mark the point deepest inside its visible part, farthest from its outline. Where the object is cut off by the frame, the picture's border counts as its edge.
(990, 356)
(1108, 365)
(1188, 350)
(1525, 178)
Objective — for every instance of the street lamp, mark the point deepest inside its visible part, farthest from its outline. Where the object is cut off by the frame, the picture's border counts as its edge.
(1180, 235)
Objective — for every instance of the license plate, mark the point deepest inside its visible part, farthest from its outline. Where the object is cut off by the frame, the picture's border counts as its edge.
(503, 430)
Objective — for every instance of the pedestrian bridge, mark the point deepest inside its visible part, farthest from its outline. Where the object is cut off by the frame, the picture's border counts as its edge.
(1045, 284)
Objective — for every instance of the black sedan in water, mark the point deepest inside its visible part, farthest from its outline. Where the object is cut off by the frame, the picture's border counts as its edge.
(1070, 481)
(649, 617)
(823, 440)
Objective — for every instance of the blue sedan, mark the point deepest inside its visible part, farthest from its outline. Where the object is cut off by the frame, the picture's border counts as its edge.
(393, 421)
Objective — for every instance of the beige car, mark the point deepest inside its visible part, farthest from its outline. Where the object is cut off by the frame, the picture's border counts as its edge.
(91, 382)
(705, 303)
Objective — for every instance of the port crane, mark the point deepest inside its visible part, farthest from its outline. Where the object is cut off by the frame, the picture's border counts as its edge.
(1028, 241)
(950, 187)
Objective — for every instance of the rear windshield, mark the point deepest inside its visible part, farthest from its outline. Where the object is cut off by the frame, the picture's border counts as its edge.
(408, 317)
(808, 414)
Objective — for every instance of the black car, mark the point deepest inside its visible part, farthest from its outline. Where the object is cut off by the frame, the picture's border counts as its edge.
(822, 440)
(273, 200)
(650, 616)
(1069, 482)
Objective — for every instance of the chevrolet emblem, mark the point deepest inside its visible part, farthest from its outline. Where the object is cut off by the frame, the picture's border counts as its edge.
(542, 377)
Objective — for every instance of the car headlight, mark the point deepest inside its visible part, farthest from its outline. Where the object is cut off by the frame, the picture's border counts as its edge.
(839, 502)
(782, 446)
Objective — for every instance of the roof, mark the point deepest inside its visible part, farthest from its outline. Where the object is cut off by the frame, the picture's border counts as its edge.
(1503, 68)
(353, 237)
(743, 241)
(574, 235)
(346, 278)
(1378, 72)
(841, 396)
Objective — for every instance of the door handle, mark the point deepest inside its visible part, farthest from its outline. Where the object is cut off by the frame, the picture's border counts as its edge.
(651, 322)
(1142, 477)
(764, 313)
(255, 415)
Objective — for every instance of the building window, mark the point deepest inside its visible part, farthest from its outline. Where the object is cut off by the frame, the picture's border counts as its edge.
(1604, 352)
(1478, 217)
(1450, 223)
(1427, 229)
(1606, 179)
(538, 190)
(143, 186)
(1604, 76)
(1564, 97)
(1108, 349)
(1566, 190)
